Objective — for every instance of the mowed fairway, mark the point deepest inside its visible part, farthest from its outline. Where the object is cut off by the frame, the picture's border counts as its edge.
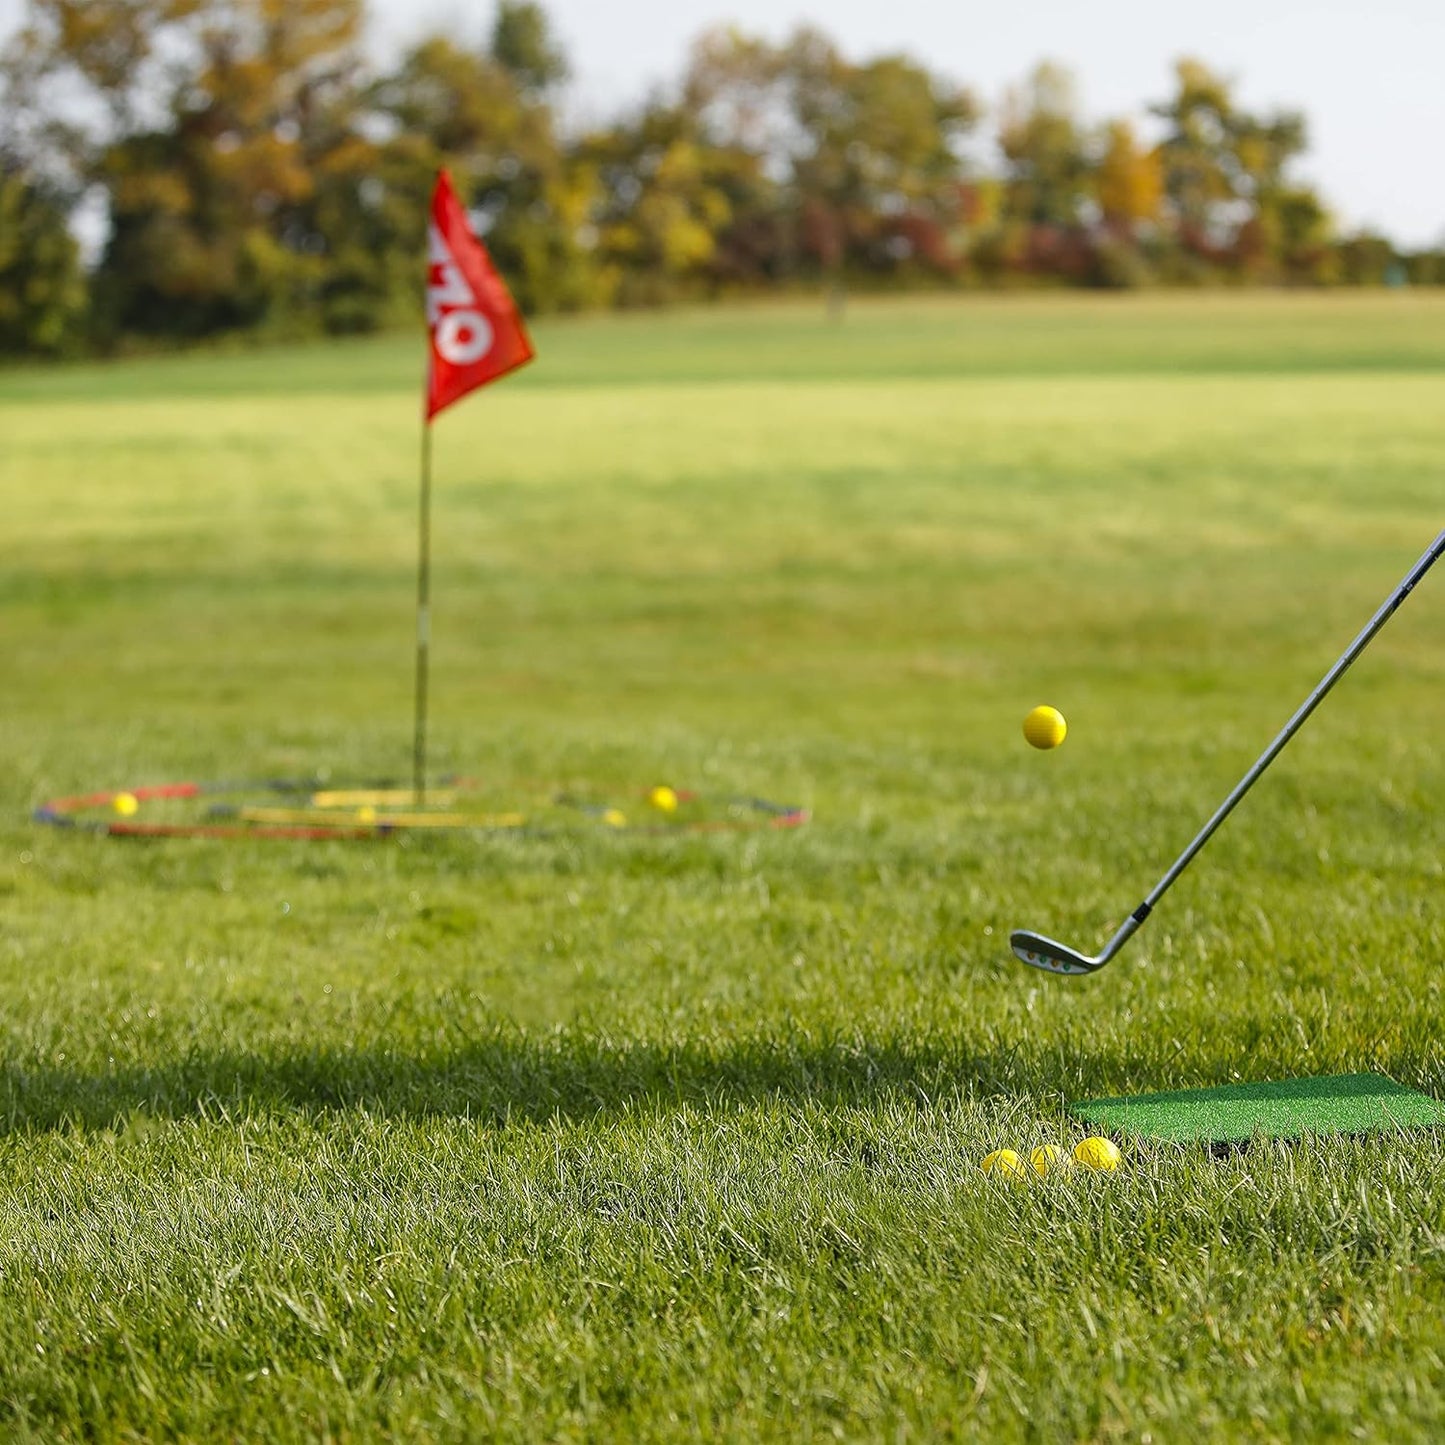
(611, 1136)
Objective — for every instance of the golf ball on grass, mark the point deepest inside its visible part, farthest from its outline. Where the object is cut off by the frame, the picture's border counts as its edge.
(1007, 1165)
(125, 804)
(1098, 1154)
(1049, 1159)
(1045, 727)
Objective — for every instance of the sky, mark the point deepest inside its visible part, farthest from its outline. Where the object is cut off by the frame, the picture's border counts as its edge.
(1366, 73)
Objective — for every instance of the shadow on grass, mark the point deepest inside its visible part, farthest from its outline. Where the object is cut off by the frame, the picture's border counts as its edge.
(510, 1076)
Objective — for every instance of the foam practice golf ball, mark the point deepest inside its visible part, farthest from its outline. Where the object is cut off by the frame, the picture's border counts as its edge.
(1006, 1164)
(1096, 1153)
(663, 798)
(125, 804)
(1045, 727)
(1048, 1159)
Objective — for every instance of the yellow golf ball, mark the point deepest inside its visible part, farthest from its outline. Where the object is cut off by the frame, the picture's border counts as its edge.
(1098, 1153)
(1048, 1159)
(1045, 727)
(1006, 1164)
(615, 818)
(125, 804)
(663, 798)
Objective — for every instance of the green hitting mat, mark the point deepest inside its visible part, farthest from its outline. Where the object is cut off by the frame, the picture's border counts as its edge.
(1341, 1104)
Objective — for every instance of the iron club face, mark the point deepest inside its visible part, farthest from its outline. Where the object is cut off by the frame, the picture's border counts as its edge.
(1040, 952)
(1055, 957)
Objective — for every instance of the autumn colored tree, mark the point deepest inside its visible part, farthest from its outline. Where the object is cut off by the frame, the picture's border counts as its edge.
(1128, 181)
(736, 106)
(205, 123)
(875, 165)
(484, 113)
(1225, 179)
(663, 204)
(256, 175)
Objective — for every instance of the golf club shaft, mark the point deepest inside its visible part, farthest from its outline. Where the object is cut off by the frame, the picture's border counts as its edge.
(1387, 610)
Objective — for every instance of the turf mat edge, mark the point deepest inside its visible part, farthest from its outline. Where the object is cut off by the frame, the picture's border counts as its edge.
(1279, 1109)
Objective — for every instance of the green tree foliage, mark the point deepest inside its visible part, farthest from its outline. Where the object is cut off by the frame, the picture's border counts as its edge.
(1046, 185)
(1225, 180)
(1043, 144)
(1366, 259)
(661, 211)
(735, 108)
(213, 215)
(219, 117)
(690, 199)
(875, 169)
(42, 293)
(523, 44)
(490, 125)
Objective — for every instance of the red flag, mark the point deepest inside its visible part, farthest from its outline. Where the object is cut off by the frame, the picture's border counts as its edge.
(476, 331)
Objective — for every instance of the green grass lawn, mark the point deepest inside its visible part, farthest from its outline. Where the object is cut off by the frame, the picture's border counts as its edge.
(606, 1136)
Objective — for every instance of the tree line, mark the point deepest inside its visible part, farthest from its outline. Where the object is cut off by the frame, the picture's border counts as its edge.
(252, 174)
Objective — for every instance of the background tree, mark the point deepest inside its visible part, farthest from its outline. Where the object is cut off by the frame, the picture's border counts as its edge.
(1128, 186)
(1195, 159)
(736, 96)
(1046, 177)
(875, 166)
(489, 121)
(204, 125)
(214, 221)
(1128, 181)
(1043, 145)
(42, 291)
(253, 175)
(524, 46)
(669, 202)
(1225, 177)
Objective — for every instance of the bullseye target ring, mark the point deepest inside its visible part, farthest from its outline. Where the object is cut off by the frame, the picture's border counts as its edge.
(313, 810)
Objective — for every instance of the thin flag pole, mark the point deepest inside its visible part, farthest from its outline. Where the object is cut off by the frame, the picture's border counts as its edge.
(474, 335)
(423, 618)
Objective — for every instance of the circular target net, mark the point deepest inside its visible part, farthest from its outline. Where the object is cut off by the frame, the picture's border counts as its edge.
(316, 810)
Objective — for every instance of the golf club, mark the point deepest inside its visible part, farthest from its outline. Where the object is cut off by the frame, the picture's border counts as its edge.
(1053, 957)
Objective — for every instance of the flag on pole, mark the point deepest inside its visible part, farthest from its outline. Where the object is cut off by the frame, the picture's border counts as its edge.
(476, 330)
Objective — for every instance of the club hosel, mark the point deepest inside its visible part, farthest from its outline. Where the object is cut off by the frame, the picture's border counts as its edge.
(1127, 929)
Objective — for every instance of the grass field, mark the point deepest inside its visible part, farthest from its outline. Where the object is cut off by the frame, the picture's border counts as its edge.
(605, 1136)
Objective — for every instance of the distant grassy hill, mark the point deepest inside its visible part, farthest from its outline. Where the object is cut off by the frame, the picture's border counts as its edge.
(1027, 334)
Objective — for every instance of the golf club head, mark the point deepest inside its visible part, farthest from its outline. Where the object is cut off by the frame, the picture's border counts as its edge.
(1040, 952)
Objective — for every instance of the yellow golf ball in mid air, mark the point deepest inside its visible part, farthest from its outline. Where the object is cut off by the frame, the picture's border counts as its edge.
(1048, 1159)
(125, 804)
(1096, 1153)
(1006, 1164)
(1045, 727)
